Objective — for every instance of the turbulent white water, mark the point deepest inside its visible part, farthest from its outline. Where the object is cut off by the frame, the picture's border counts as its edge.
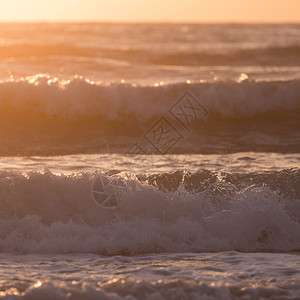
(168, 237)
(169, 212)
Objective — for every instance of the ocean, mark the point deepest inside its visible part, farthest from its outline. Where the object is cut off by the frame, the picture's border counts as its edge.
(149, 161)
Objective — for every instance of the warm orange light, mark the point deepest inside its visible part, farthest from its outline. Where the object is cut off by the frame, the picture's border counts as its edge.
(151, 10)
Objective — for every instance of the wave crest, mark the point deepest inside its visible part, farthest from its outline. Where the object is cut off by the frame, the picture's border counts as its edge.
(44, 213)
(81, 97)
(49, 116)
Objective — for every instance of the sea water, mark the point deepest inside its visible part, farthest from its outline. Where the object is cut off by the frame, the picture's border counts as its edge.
(197, 124)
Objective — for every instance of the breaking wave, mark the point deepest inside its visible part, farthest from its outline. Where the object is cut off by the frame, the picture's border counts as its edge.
(172, 212)
(84, 98)
(50, 116)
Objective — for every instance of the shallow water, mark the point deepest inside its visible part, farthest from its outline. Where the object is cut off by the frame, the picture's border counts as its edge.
(224, 275)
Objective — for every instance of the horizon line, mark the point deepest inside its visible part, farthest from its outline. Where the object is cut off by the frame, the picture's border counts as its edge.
(155, 21)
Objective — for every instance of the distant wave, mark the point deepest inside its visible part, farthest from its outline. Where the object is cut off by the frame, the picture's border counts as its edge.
(83, 98)
(40, 114)
(179, 212)
(279, 56)
(272, 56)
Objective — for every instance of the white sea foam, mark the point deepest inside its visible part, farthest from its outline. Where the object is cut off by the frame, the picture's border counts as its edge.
(46, 213)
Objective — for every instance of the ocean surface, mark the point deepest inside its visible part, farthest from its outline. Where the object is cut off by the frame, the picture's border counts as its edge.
(149, 161)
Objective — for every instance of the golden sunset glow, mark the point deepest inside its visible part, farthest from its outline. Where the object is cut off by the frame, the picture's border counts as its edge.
(149, 149)
(151, 10)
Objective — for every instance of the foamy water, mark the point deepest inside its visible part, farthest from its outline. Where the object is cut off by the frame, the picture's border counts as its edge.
(165, 276)
(211, 213)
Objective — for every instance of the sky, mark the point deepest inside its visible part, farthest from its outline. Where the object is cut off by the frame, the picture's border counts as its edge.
(151, 10)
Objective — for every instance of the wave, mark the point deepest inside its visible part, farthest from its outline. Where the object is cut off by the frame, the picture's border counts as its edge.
(83, 116)
(172, 212)
(270, 56)
(278, 56)
(81, 97)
